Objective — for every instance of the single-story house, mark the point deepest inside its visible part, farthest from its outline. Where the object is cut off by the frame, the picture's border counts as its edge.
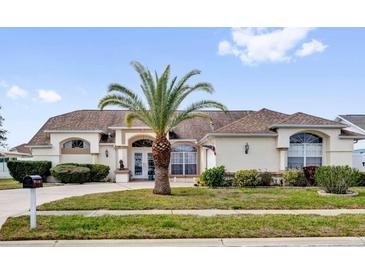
(356, 123)
(20, 152)
(264, 139)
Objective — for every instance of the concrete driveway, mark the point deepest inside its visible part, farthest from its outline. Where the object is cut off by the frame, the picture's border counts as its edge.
(16, 201)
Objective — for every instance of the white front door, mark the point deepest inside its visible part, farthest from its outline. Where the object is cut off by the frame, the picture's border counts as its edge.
(142, 164)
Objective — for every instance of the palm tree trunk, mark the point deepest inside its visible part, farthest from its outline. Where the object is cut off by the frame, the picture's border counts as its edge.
(161, 150)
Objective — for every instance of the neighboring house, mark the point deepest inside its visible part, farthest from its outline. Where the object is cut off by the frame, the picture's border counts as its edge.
(356, 123)
(264, 139)
(20, 152)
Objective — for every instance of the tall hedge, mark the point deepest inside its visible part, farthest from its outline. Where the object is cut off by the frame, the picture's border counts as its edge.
(19, 169)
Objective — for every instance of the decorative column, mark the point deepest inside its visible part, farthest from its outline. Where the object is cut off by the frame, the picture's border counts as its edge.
(122, 154)
(94, 158)
(283, 158)
(122, 175)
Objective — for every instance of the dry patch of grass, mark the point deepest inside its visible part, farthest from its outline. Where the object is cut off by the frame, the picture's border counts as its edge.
(9, 184)
(183, 226)
(204, 198)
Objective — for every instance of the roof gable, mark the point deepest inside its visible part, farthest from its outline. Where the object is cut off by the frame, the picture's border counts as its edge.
(304, 119)
(255, 122)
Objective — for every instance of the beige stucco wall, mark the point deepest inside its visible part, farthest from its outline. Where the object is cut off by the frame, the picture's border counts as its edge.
(45, 154)
(262, 154)
(110, 161)
(57, 139)
(76, 158)
(336, 151)
(265, 153)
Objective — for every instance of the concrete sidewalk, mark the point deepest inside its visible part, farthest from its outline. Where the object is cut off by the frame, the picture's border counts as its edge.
(202, 212)
(243, 242)
(16, 201)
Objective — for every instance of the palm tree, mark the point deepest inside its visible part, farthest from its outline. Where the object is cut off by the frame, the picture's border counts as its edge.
(159, 111)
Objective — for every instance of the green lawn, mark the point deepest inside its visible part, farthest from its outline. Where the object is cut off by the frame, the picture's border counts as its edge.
(12, 184)
(9, 184)
(178, 226)
(204, 198)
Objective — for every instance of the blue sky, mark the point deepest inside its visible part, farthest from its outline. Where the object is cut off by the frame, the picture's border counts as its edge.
(46, 72)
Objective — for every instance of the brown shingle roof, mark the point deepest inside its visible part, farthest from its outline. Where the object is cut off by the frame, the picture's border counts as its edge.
(301, 118)
(102, 120)
(255, 122)
(232, 122)
(21, 149)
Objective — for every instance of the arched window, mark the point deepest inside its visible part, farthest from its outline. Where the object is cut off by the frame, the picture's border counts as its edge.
(76, 146)
(142, 143)
(305, 150)
(183, 160)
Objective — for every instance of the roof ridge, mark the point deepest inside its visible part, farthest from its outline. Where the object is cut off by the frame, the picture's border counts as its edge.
(236, 121)
(249, 115)
(299, 112)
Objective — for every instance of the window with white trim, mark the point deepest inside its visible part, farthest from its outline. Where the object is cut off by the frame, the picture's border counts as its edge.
(305, 150)
(183, 160)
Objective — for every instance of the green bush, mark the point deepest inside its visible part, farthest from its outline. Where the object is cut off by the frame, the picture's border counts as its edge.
(335, 179)
(250, 177)
(358, 178)
(214, 177)
(266, 178)
(229, 179)
(98, 172)
(71, 173)
(294, 177)
(19, 169)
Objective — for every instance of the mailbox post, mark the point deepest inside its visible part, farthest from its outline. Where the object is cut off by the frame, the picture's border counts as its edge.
(33, 182)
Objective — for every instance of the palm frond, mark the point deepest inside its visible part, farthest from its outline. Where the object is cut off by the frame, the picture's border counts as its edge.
(141, 116)
(163, 97)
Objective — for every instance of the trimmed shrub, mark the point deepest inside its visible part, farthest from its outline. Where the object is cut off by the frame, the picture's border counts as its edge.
(294, 177)
(71, 173)
(309, 172)
(214, 177)
(19, 169)
(335, 179)
(266, 178)
(98, 172)
(250, 177)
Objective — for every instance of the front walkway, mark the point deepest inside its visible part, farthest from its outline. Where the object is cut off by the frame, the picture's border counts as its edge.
(222, 242)
(16, 201)
(202, 212)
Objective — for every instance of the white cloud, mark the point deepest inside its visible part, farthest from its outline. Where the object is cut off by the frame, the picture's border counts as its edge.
(49, 96)
(311, 47)
(16, 92)
(264, 45)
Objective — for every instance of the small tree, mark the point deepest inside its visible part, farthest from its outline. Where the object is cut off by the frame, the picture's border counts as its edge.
(2, 132)
(158, 108)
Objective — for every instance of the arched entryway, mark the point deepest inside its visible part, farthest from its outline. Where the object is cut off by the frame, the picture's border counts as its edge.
(142, 165)
(305, 150)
